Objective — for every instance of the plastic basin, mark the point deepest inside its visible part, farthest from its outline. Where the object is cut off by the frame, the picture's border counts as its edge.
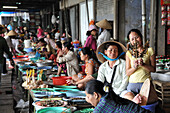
(75, 94)
(45, 67)
(53, 110)
(60, 80)
(86, 110)
(28, 50)
(21, 56)
(67, 87)
(151, 107)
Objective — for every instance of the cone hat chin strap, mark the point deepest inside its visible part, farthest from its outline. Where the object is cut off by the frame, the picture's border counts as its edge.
(110, 58)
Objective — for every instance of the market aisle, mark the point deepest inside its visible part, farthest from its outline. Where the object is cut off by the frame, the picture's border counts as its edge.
(6, 96)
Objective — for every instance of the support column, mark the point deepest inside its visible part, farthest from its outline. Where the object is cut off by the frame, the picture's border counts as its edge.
(144, 21)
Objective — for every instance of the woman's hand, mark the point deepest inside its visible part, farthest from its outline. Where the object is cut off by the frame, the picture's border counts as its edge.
(135, 64)
(140, 62)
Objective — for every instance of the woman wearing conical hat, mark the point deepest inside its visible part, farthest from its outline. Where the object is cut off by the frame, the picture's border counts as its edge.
(105, 34)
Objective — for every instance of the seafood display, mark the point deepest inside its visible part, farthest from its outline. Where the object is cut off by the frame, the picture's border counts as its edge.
(51, 103)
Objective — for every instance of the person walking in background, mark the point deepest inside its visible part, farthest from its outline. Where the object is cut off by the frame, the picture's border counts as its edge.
(105, 34)
(4, 49)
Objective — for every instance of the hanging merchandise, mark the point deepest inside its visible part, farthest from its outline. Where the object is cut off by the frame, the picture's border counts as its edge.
(15, 18)
(53, 19)
(164, 21)
(164, 14)
(165, 8)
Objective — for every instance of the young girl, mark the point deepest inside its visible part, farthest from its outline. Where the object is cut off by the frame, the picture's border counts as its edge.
(138, 70)
(69, 58)
(91, 41)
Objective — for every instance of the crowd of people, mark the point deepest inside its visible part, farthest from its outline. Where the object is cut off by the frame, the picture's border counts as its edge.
(113, 77)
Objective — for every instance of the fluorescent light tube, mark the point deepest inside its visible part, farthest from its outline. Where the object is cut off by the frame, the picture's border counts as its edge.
(10, 7)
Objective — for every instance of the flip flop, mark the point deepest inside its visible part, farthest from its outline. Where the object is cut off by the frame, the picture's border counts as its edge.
(11, 67)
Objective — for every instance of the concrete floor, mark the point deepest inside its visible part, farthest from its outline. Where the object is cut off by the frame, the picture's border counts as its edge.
(11, 93)
(6, 96)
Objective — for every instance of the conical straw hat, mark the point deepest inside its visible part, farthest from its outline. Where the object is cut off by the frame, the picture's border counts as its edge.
(12, 33)
(104, 24)
(148, 93)
(2, 29)
(102, 46)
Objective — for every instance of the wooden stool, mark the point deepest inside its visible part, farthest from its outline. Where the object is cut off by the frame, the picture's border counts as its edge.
(163, 92)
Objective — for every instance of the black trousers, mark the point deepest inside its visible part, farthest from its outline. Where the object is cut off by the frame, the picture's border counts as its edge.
(4, 70)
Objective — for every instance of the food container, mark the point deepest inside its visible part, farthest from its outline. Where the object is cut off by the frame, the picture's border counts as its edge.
(154, 76)
(85, 110)
(60, 80)
(164, 77)
(42, 90)
(64, 90)
(54, 109)
(75, 94)
(44, 63)
(67, 87)
(51, 93)
(49, 103)
(21, 56)
(28, 50)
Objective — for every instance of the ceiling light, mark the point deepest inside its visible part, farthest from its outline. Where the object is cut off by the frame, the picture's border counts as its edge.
(10, 7)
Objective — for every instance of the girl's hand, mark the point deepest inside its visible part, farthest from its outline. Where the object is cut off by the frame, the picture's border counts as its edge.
(135, 64)
(140, 62)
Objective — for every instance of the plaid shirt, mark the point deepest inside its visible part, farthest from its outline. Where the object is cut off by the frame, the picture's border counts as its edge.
(109, 106)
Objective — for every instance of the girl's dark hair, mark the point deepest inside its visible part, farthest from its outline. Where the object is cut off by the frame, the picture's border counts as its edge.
(97, 86)
(68, 45)
(88, 33)
(90, 53)
(59, 44)
(136, 31)
(120, 50)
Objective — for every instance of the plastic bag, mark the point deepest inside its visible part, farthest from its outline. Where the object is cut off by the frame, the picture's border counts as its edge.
(22, 104)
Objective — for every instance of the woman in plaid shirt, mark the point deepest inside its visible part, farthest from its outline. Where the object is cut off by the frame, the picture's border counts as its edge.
(109, 102)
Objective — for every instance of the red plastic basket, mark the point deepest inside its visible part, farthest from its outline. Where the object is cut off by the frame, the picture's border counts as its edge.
(60, 80)
(21, 56)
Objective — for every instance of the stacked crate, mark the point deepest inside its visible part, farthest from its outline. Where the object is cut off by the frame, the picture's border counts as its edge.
(163, 92)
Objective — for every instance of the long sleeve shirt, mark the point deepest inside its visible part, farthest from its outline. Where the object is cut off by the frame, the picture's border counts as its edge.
(15, 43)
(71, 62)
(110, 106)
(91, 43)
(103, 37)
